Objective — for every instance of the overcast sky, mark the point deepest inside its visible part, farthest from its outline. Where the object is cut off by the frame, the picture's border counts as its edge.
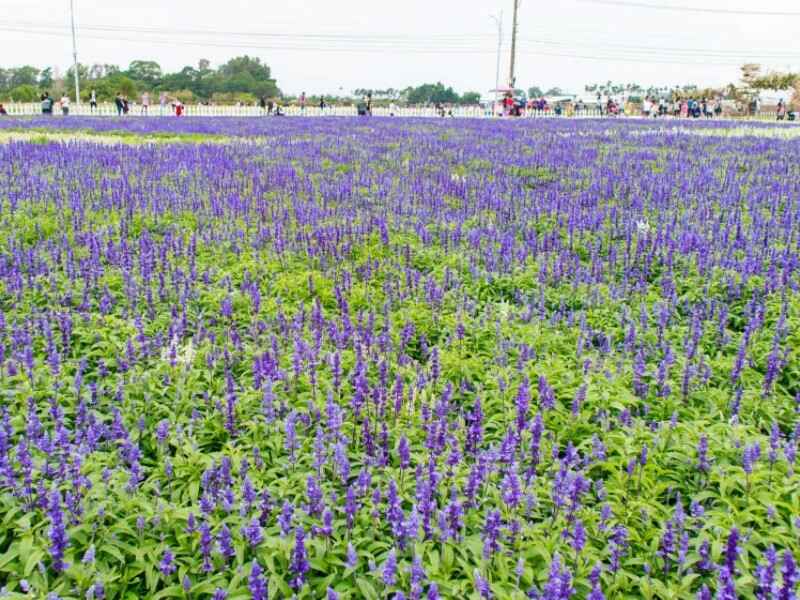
(339, 45)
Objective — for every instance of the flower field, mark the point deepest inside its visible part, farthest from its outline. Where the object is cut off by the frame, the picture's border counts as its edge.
(398, 359)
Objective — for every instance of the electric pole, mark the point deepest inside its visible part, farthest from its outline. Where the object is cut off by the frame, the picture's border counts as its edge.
(511, 77)
(499, 22)
(75, 54)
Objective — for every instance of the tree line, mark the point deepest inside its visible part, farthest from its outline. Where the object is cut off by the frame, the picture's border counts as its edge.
(243, 78)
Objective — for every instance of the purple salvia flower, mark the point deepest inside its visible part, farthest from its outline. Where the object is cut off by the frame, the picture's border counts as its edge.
(790, 577)
(523, 401)
(167, 564)
(206, 544)
(57, 532)
(491, 533)
(252, 533)
(285, 518)
(482, 586)
(225, 542)
(352, 557)
(389, 571)
(702, 455)
(765, 575)
(726, 586)
(299, 563)
(404, 453)
(732, 551)
(433, 592)
(705, 564)
(257, 583)
(704, 593)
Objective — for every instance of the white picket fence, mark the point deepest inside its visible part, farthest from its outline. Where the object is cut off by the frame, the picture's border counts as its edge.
(200, 110)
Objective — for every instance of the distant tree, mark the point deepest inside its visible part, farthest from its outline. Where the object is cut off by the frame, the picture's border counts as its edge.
(46, 78)
(241, 77)
(750, 73)
(776, 81)
(535, 92)
(432, 93)
(96, 71)
(22, 93)
(146, 71)
(554, 91)
(5, 79)
(26, 75)
(471, 98)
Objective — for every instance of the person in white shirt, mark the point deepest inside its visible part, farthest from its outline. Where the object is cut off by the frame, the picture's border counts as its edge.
(145, 103)
(647, 108)
(64, 105)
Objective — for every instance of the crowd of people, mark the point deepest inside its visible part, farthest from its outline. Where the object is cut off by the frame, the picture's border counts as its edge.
(508, 106)
(682, 107)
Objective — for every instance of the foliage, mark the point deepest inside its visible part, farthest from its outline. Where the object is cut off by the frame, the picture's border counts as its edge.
(24, 93)
(474, 359)
(240, 75)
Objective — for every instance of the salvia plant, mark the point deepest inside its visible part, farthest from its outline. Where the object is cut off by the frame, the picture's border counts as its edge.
(391, 359)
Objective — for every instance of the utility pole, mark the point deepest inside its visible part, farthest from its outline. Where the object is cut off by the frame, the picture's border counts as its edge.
(75, 54)
(499, 22)
(511, 77)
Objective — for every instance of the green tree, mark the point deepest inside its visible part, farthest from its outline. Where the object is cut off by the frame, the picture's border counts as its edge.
(23, 93)
(535, 92)
(432, 93)
(26, 75)
(471, 98)
(146, 71)
(46, 78)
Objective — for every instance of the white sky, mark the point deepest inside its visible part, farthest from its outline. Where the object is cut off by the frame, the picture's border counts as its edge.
(453, 41)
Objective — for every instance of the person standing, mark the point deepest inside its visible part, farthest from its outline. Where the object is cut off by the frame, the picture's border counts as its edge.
(322, 104)
(303, 103)
(64, 102)
(93, 101)
(162, 103)
(369, 103)
(118, 103)
(781, 112)
(145, 103)
(47, 104)
(647, 108)
(262, 104)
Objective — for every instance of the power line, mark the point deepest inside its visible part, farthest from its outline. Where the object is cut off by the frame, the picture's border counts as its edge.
(603, 52)
(355, 42)
(293, 35)
(721, 53)
(597, 56)
(695, 9)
